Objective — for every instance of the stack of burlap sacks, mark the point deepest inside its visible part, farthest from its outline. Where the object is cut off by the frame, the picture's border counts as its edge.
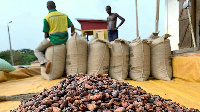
(150, 56)
(119, 58)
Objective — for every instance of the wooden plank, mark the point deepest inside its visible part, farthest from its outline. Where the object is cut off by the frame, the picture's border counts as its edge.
(136, 10)
(184, 33)
(191, 28)
(157, 15)
(187, 42)
(193, 15)
(185, 37)
(181, 19)
(187, 50)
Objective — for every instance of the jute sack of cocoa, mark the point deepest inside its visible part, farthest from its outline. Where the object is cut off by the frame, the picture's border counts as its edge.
(119, 60)
(99, 57)
(139, 60)
(76, 59)
(161, 59)
(152, 37)
(93, 38)
(56, 55)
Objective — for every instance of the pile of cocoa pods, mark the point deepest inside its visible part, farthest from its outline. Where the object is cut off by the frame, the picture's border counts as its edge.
(99, 93)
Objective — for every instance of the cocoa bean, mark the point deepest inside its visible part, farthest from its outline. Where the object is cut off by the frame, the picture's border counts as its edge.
(115, 93)
(110, 102)
(64, 103)
(78, 102)
(124, 104)
(55, 105)
(82, 107)
(120, 109)
(131, 106)
(91, 107)
(87, 86)
(56, 109)
(56, 98)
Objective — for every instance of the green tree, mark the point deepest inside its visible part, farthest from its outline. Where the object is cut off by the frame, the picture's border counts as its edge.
(20, 57)
(5, 55)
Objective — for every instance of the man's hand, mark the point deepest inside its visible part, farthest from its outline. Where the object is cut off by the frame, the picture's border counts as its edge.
(116, 28)
(72, 33)
(46, 35)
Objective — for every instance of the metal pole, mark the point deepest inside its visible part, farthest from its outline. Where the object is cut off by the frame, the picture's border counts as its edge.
(191, 26)
(137, 31)
(11, 55)
(157, 15)
(167, 18)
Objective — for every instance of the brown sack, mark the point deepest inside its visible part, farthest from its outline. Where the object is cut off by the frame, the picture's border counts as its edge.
(139, 60)
(76, 59)
(99, 56)
(119, 61)
(161, 59)
(93, 38)
(56, 55)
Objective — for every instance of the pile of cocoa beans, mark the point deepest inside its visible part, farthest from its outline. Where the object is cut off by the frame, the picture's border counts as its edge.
(99, 93)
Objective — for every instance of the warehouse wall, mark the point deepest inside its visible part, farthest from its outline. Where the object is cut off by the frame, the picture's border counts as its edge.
(172, 14)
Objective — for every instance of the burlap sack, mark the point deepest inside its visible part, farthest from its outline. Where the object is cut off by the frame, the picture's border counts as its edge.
(76, 59)
(139, 60)
(161, 59)
(99, 56)
(119, 61)
(152, 37)
(56, 55)
(93, 38)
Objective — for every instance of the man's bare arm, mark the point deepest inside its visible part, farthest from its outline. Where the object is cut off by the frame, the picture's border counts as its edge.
(46, 35)
(122, 20)
(72, 30)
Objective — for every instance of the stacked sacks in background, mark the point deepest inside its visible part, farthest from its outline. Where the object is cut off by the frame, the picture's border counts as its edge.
(99, 56)
(161, 58)
(99, 61)
(76, 58)
(56, 55)
(139, 60)
(119, 61)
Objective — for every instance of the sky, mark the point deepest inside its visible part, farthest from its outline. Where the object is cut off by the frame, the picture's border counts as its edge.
(27, 18)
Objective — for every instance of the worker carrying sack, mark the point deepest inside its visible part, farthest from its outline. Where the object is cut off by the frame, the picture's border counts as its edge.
(161, 58)
(56, 55)
(76, 59)
(99, 57)
(139, 60)
(119, 61)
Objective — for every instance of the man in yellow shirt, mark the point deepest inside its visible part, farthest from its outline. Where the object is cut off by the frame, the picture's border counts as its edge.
(55, 29)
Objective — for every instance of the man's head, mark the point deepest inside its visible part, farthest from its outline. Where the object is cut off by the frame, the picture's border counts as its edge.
(51, 5)
(108, 9)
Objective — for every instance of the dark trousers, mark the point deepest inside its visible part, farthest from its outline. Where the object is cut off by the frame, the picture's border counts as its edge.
(112, 35)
